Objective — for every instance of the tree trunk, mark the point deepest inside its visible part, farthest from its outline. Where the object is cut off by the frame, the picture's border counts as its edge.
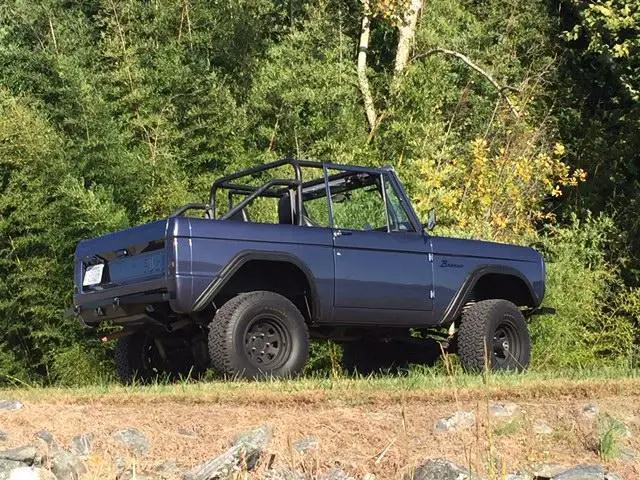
(363, 81)
(406, 33)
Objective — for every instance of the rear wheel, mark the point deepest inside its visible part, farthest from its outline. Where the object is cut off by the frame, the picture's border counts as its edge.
(142, 357)
(493, 334)
(258, 334)
(137, 358)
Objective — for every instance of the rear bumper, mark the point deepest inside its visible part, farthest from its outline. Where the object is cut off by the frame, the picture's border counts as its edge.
(123, 304)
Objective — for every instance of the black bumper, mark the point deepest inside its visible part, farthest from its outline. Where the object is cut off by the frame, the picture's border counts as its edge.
(119, 303)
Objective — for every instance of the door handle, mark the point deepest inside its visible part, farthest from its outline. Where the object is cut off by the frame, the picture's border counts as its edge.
(341, 233)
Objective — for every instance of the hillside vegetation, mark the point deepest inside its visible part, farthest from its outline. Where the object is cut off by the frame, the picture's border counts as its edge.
(516, 121)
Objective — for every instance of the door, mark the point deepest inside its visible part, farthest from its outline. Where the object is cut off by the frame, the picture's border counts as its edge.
(383, 272)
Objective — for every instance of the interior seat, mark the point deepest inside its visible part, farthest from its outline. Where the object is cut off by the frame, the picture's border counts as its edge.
(288, 215)
(240, 216)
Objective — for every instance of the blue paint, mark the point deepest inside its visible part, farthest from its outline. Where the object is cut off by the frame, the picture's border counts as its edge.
(357, 277)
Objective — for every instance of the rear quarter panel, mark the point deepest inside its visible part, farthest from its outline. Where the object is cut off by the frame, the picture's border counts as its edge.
(202, 248)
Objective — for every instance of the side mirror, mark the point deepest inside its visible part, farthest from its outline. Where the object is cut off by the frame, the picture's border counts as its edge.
(431, 222)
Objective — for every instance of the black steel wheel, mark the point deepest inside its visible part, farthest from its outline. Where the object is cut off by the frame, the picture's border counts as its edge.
(258, 334)
(493, 334)
(267, 342)
(142, 357)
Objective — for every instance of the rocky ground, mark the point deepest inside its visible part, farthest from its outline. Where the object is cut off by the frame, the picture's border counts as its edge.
(579, 436)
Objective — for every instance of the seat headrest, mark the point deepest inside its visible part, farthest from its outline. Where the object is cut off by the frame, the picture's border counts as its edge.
(285, 211)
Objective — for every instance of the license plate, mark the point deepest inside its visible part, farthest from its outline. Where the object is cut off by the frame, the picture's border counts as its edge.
(93, 275)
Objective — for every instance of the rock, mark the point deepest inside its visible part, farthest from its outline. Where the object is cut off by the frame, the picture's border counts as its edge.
(562, 472)
(541, 427)
(305, 444)
(81, 444)
(626, 454)
(10, 405)
(48, 439)
(611, 476)
(6, 466)
(3, 436)
(283, 474)
(336, 473)
(457, 421)
(66, 466)
(185, 432)
(246, 450)
(30, 473)
(620, 427)
(133, 439)
(582, 472)
(609, 422)
(548, 470)
(503, 409)
(440, 469)
(590, 410)
(369, 476)
(24, 454)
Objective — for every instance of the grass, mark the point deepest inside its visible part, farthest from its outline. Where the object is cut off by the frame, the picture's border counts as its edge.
(509, 427)
(424, 382)
(609, 430)
(407, 404)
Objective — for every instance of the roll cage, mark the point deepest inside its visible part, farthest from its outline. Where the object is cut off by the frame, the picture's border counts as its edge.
(298, 189)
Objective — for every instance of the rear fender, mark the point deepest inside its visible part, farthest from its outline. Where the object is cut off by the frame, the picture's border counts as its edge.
(231, 268)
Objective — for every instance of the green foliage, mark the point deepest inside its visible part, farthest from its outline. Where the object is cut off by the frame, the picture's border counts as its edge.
(608, 433)
(304, 101)
(612, 30)
(325, 358)
(80, 365)
(599, 109)
(113, 113)
(44, 212)
(596, 314)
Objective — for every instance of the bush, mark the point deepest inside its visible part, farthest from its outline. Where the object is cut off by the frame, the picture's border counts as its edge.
(325, 358)
(596, 314)
(81, 365)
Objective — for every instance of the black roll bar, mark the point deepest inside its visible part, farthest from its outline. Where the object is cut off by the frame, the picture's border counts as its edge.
(249, 198)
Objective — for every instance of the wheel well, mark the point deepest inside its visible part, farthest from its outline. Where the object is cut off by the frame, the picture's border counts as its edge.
(502, 286)
(281, 277)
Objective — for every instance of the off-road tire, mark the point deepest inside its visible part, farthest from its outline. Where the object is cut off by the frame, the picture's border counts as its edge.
(231, 334)
(485, 326)
(138, 360)
(128, 354)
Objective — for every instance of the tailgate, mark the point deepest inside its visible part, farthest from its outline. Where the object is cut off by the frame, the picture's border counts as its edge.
(122, 263)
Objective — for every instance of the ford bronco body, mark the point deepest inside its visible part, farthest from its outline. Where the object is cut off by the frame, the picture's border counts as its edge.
(293, 250)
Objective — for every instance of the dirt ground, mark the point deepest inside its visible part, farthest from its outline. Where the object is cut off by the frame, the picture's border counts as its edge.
(381, 433)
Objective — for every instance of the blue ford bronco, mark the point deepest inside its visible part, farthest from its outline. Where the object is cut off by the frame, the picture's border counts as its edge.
(293, 250)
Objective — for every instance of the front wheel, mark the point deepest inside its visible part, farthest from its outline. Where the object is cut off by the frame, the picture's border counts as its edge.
(258, 334)
(493, 334)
